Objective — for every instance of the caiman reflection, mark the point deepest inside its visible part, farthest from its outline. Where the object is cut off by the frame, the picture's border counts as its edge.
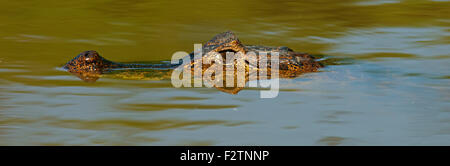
(90, 66)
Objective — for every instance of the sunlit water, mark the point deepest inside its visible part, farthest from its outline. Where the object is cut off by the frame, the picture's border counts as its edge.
(396, 91)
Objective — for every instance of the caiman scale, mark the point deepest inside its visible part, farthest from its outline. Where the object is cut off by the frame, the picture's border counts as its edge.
(89, 65)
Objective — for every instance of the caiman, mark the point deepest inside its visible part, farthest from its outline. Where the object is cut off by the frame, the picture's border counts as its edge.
(89, 65)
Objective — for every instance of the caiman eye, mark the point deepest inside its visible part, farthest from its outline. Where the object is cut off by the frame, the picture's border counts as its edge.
(224, 52)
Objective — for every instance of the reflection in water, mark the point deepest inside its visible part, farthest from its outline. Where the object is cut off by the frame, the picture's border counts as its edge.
(393, 90)
(395, 42)
(332, 141)
(145, 125)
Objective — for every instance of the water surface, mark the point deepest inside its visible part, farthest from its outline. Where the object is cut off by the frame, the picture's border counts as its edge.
(396, 91)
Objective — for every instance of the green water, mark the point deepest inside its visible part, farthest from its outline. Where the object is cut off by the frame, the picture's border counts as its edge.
(395, 93)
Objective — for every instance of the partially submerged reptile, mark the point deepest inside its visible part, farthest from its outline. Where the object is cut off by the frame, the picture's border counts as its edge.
(89, 65)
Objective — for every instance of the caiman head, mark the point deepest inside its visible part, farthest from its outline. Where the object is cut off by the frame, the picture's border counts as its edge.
(88, 66)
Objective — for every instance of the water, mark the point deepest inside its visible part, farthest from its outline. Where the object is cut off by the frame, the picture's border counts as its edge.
(396, 91)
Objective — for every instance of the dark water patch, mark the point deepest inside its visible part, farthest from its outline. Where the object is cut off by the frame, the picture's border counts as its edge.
(10, 121)
(329, 60)
(289, 127)
(401, 44)
(443, 77)
(140, 74)
(153, 125)
(413, 74)
(238, 124)
(439, 57)
(58, 105)
(74, 93)
(4, 107)
(444, 131)
(267, 89)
